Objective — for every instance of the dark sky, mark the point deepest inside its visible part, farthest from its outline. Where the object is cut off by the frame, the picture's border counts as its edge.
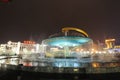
(22, 18)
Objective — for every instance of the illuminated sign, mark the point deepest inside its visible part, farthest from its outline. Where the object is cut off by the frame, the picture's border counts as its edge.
(29, 42)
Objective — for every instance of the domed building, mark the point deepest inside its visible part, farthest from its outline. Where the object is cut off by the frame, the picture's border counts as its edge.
(71, 42)
(66, 48)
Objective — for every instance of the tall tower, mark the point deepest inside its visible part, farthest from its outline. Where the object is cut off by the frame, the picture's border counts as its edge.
(110, 43)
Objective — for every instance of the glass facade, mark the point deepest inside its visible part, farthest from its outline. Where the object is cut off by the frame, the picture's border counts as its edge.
(67, 46)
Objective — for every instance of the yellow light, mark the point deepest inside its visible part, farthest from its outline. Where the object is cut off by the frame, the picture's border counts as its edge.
(109, 43)
(109, 40)
(66, 29)
(95, 64)
(77, 49)
(75, 70)
(81, 50)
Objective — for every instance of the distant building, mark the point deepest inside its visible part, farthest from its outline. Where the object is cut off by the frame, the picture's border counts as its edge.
(19, 48)
(110, 43)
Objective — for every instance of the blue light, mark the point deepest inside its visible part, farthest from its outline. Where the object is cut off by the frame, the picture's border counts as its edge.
(67, 41)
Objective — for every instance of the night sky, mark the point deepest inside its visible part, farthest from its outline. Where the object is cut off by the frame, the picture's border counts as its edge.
(21, 19)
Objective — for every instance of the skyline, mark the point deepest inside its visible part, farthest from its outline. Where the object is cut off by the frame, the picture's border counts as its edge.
(21, 19)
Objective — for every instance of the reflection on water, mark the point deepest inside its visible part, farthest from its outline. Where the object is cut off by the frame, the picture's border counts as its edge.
(12, 61)
(75, 78)
(27, 76)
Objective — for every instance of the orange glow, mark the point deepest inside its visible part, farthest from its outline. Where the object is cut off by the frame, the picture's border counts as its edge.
(107, 40)
(29, 42)
(110, 43)
(95, 64)
(77, 49)
(27, 64)
(66, 29)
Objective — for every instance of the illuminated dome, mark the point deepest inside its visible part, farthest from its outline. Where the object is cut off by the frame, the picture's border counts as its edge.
(67, 44)
(66, 41)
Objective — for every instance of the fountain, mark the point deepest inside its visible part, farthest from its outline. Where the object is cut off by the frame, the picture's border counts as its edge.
(66, 48)
(68, 54)
(68, 44)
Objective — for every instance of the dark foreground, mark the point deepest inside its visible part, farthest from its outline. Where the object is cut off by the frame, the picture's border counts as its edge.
(20, 75)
